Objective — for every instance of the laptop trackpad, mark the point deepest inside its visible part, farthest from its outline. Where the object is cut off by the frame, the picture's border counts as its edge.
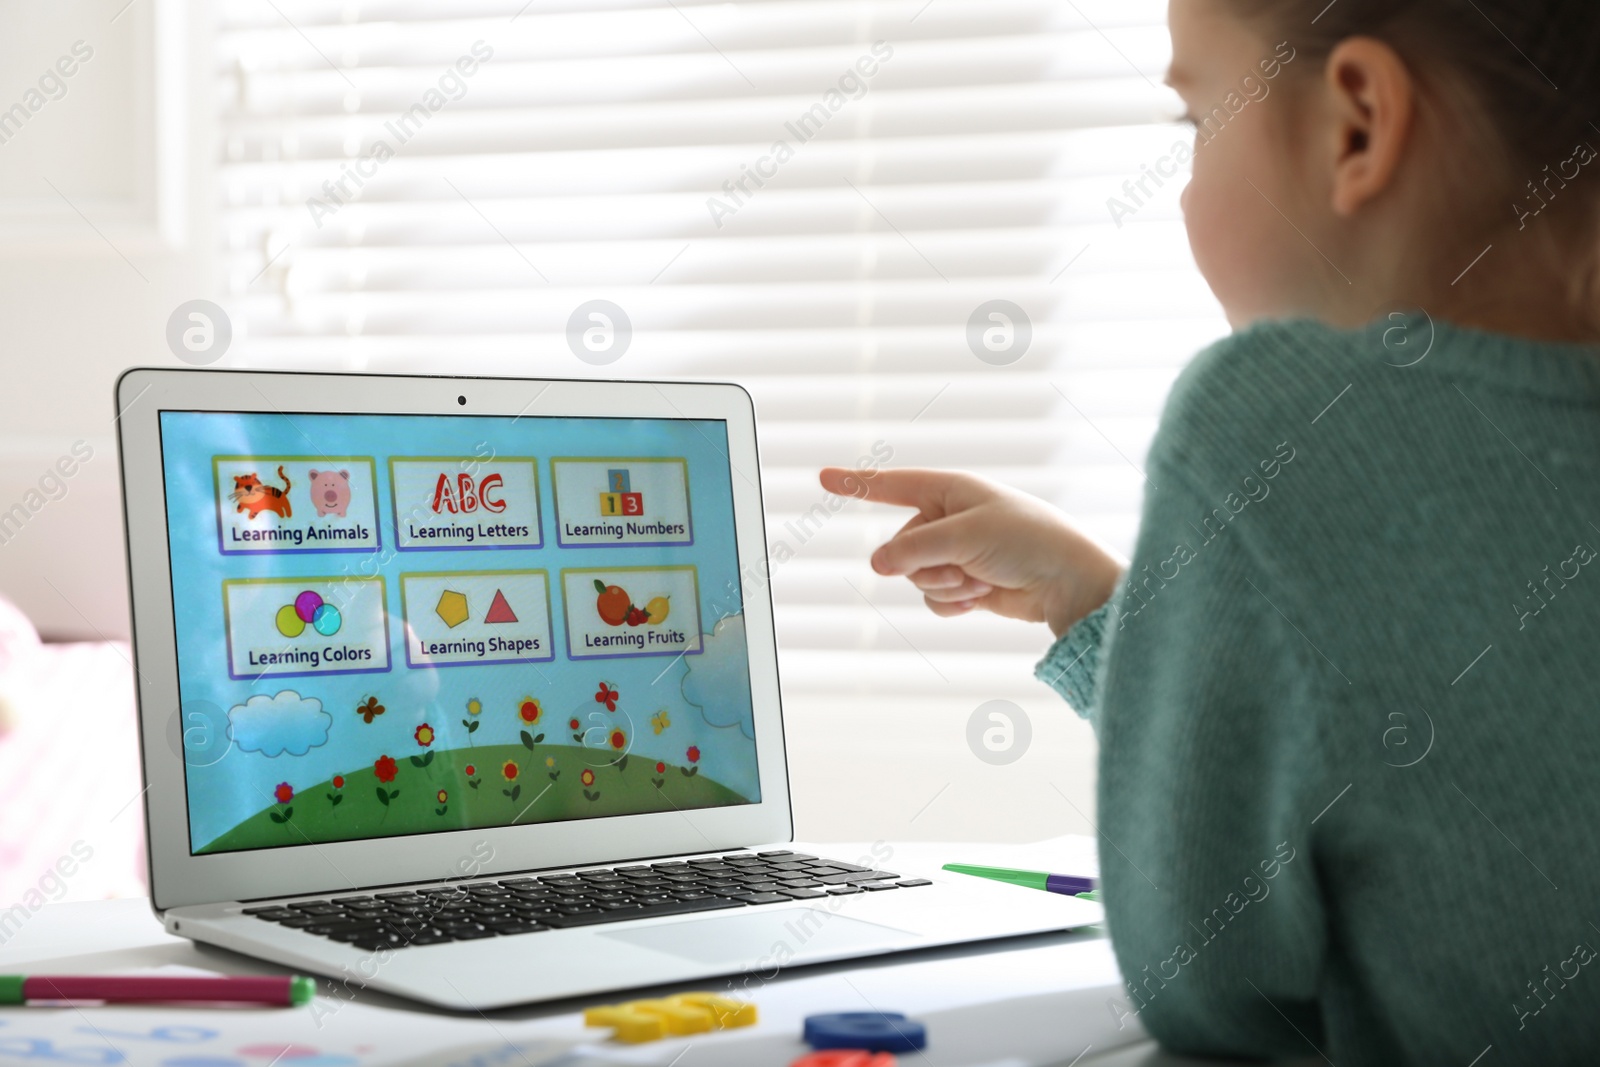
(752, 936)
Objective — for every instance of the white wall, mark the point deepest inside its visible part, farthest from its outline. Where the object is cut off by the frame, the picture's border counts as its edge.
(91, 265)
(78, 306)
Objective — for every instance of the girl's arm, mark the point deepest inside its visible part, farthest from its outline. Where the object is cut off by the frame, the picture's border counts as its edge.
(1211, 776)
(975, 545)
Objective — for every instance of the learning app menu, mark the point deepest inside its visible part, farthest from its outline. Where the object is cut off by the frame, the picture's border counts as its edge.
(402, 624)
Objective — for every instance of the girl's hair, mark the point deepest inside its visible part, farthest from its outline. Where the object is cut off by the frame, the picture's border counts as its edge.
(1532, 67)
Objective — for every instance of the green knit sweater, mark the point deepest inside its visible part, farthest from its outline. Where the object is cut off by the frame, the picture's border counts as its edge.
(1348, 706)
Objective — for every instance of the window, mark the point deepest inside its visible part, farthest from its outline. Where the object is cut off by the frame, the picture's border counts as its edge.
(812, 197)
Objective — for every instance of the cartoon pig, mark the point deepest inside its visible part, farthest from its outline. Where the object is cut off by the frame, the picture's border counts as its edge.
(330, 492)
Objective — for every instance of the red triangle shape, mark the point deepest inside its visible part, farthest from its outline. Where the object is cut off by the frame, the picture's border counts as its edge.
(500, 610)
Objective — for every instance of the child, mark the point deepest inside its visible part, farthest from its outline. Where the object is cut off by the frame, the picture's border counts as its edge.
(1345, 692)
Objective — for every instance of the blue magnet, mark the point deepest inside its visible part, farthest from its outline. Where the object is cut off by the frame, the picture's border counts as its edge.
(876, 1031)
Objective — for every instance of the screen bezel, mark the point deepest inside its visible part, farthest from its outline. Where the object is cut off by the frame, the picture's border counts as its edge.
(178, 878)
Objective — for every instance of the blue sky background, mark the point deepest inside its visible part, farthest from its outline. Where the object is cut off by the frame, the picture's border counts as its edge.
(223, 792)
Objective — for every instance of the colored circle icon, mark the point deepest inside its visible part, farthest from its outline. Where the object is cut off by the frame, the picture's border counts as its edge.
(306, 605)
(309, 608)
(326, 620)
(290, 624)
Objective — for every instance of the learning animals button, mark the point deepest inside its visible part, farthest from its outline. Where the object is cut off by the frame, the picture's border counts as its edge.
(639, 1021)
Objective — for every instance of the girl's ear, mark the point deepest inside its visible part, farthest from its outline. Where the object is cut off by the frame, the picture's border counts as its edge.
(1373, 98)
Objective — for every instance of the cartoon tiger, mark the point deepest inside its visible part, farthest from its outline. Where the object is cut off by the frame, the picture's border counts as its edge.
(254, 496)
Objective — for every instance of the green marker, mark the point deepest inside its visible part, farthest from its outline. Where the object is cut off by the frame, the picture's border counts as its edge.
(1065, 884)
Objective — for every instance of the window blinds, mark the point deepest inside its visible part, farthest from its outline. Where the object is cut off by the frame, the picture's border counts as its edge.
(811, 197)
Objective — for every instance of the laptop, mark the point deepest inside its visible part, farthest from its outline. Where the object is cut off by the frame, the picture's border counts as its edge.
(466, 690)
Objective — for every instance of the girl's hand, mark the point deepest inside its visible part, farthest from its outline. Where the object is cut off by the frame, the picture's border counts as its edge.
(975, 544)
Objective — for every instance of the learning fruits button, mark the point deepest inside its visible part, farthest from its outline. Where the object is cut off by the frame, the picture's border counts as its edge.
(872, 1030)
(845, 1057)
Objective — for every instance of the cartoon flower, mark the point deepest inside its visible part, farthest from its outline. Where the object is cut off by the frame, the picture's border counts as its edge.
(443, 796)
(588, 777)
(529, 711)
(474, 706)
(425, 737)
(283, 794)
(338, 781)
(618, 739)
(660, 720)
(693, 753)
(607, 696)
(470, 769)
(572, 724)
(385, 768)
(661, 768)
(694, 762)
(370, 710)
(510, 770)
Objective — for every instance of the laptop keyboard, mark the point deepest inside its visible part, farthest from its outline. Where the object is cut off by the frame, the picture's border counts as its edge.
(527, 905)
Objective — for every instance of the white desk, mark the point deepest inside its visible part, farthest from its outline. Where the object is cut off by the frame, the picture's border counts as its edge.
(1029, 1002)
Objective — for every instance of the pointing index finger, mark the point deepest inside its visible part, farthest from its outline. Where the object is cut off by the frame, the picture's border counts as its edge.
(932, 492)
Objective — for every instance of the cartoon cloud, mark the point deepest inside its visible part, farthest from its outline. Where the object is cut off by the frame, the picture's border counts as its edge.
(274, 725)
(718, 680)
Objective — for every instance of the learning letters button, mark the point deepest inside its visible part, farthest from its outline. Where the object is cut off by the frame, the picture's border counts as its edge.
(457, 502)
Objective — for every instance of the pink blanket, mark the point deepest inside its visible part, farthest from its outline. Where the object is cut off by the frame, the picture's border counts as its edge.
(71, 816)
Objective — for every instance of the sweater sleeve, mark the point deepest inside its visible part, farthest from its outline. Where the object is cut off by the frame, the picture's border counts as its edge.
(1209, 781)
(1072, 666)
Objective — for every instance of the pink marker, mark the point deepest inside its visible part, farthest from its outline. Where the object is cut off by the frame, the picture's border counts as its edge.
(280, 990)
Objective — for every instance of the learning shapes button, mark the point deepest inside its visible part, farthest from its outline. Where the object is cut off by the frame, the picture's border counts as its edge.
(687, 1013)
(845, 1057)
(875, 1031)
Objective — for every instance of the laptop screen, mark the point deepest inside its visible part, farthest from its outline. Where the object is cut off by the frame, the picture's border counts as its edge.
(392, 625)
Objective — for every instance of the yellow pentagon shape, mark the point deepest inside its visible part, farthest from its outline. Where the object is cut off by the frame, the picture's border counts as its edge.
(452, 608)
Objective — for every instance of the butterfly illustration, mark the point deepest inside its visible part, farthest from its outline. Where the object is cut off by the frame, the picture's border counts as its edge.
(370, 710)
(607, 696)
(660, 721)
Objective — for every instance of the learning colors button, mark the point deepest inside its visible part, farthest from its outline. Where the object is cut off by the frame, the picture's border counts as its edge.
(631, 611)
(473, 618)
(283, 627)
(622, 502)
(463, 502)
(274, 504)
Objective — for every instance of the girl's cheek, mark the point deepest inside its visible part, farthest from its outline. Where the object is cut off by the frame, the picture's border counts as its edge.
(1217, 237)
